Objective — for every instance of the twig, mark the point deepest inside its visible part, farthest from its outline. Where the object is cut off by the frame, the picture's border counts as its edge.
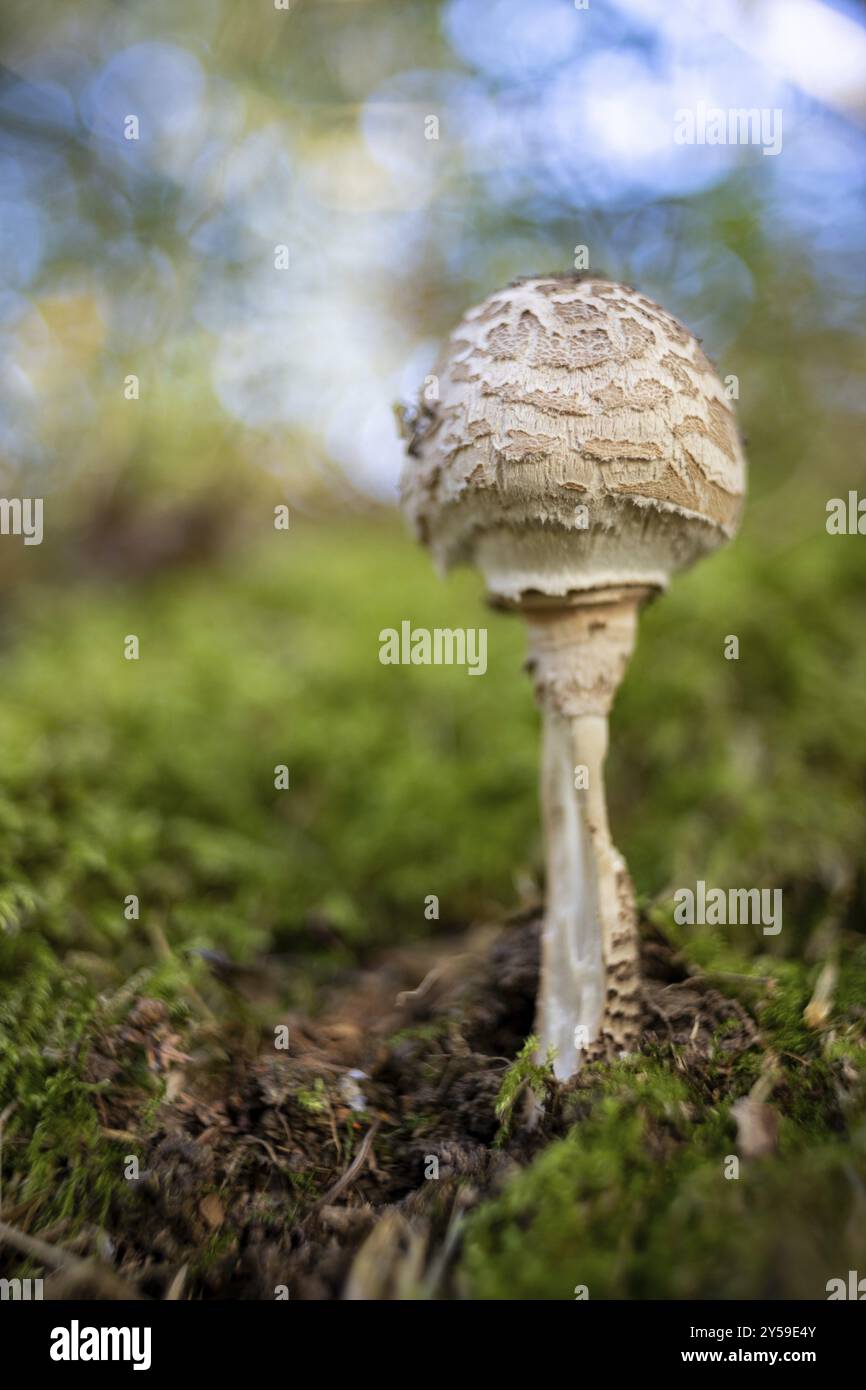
(768, 1076)
(723, 975)
(3, 1118)
(268, 1148)
(123, 1136)
(408, 996)
(49, 1255)
(353, 1169)
(52, 1257)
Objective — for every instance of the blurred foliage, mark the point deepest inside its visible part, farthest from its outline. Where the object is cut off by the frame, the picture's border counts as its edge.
(305, 128)
(156, 776)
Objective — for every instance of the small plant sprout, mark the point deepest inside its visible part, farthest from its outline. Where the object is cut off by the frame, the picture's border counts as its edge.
(582, 450)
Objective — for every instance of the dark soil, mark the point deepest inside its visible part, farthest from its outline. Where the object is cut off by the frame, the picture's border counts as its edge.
(279, 1173)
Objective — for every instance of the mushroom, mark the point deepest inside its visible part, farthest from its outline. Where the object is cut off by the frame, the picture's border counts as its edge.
(581, 450)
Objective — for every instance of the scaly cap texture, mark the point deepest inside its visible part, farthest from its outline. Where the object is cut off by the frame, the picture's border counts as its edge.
(581, 440)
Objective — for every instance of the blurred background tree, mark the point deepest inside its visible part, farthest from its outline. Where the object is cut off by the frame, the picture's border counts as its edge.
(308, 128)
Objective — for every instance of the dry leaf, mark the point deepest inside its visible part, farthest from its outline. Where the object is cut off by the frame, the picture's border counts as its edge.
(211, 1211)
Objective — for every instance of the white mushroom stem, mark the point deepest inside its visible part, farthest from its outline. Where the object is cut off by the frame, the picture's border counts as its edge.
(571, 993)
(589, 992)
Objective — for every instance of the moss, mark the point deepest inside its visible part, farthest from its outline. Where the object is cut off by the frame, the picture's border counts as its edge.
(313, 1099)
(850, 991)
(156, 778)
(635, 1203)
(524, 1074)
(576, 1215)
(421, 1032)
(57, 1161)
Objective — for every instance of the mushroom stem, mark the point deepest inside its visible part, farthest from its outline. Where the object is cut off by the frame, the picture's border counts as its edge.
(571, 993)
(589, 1002)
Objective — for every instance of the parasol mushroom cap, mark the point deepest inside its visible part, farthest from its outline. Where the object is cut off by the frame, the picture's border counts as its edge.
(581, 440)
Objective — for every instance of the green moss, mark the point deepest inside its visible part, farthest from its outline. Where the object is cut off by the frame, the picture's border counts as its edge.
(57, 1162)
(574, 1217)
(313, 1099)
(116, 782)
(524, 1074)
(636, 1203)
(156, 778)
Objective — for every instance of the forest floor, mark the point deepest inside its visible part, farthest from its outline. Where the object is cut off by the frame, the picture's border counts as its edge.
(237, 1059)
(377, 1151)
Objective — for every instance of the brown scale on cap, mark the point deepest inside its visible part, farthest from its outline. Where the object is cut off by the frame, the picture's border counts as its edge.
(581, 450)
(556, 383)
